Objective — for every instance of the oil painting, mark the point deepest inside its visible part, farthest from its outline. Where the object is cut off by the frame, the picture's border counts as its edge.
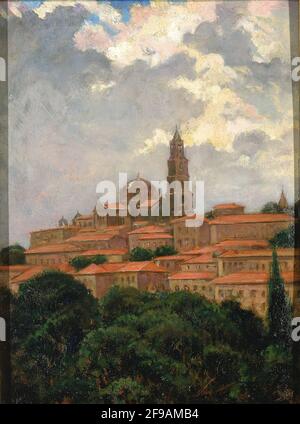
(151, 183)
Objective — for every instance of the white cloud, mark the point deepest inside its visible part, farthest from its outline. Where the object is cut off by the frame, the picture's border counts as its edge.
(104, 11)
(269, 42)
(149, 145)
(100, 86)
(153, 34)
(77, 119)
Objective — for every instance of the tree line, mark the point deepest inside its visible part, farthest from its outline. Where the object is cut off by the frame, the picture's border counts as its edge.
(139, 347)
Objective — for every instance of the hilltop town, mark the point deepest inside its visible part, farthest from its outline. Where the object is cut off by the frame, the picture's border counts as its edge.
(228, 257)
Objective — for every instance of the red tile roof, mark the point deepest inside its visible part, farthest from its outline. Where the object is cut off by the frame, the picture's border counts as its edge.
(260, 253)
(115, 228)
(202, 250)
(53, 248)
(107, 252)
(242, 243)
(155, 236)
(251, 218)
(149, 229)
(173, 258)
(186, 217)
(27, 275)
(253, 278)
(94, 269)
(192, 276)
(228, 206)
(37, 269)
(67, 268)
(142, 266)
(14, 268)
(202, 259)
(147, 266)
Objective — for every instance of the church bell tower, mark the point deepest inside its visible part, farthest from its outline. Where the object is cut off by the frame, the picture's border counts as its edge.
(177, 165)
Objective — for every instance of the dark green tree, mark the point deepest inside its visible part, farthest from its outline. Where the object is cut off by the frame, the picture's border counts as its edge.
(284, 238)
(80, 262)
(253, 334)
(12, 255)
(50, 316)
(277, 366)
(141, 254)
(140, 348)
(125, 391)
(279, 308)
(271, 207)
(171, 348)
(209, 214)
(165, 251)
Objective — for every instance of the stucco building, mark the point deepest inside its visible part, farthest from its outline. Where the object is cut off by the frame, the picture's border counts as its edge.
(247, 226)
(228, 256)
(135, 237)
(257, 260)
(153, 241)
(52, 254)
(145, 276)
(250, 289)
(186, 237)
(52, 235)
(228, 209)
(196, 282)
(95, 240)
(33, 271)
(171, 263)
(203, 263)
(112, 255)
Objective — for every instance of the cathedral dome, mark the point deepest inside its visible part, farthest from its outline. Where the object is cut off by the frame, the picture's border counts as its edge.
(134, 185)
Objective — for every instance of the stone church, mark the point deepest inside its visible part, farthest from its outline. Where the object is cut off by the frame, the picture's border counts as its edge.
(177, 171)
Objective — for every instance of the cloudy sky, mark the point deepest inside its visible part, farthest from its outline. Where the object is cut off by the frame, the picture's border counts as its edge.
(97, 87)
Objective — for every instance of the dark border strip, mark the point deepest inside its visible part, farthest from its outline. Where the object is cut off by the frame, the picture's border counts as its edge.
(295, 52)
(4, 236)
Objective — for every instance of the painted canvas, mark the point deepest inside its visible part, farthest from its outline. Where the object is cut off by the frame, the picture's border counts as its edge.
(151, 255)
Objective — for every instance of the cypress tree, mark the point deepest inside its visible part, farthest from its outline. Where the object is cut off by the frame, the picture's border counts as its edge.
(279, 311)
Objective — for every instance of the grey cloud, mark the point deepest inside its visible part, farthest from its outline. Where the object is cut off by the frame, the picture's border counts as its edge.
(256, 86)
(64, 139)
(226, 178)
(249, 143)
(235, 44)
(44, 49)
(220, 37)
